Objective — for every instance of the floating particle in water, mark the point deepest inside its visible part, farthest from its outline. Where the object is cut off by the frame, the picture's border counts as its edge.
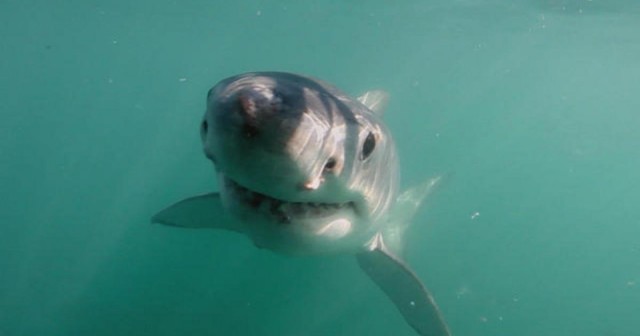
(475, 214)
(462, 291)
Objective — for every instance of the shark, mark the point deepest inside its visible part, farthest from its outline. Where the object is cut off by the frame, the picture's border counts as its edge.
(304, 169)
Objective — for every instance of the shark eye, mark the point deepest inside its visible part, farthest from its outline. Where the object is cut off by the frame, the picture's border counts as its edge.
(204, 127)
(331, 163)
(368, 146)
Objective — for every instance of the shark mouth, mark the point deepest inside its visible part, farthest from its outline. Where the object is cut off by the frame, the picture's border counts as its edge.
(283, 211)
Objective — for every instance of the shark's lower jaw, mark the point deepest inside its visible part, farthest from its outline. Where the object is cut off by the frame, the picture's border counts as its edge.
(283, 212)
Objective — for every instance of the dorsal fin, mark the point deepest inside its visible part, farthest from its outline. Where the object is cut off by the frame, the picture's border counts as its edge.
(375, 100)
(402, 214)
(410, 200)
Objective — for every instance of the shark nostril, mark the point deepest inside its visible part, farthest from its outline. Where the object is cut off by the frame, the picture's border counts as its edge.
(249, 130)
(312, 184)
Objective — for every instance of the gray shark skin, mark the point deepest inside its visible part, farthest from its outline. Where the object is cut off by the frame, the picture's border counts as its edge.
(304, 169)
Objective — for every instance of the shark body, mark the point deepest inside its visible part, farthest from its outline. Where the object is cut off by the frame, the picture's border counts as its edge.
(305, 169)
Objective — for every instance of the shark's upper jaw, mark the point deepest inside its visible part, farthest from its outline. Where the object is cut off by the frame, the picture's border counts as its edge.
(284, 211)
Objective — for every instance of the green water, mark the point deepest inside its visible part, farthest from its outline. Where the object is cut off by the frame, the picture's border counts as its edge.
(532, 109)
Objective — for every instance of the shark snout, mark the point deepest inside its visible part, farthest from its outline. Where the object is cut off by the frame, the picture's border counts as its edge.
(312, 184)
(255, 106)
(254, 101)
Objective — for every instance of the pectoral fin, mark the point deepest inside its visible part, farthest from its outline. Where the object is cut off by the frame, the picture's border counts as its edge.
(198, 212)
(375, 100)
(403, 287)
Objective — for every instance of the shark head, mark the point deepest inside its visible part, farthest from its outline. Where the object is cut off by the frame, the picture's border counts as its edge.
(303, 166)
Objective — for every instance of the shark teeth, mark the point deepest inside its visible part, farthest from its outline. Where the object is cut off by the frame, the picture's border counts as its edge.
(281, 210)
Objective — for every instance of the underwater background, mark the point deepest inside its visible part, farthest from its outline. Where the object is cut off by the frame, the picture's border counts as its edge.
(530, 108)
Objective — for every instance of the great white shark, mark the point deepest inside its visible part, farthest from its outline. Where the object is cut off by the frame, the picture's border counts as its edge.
(305, 169)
